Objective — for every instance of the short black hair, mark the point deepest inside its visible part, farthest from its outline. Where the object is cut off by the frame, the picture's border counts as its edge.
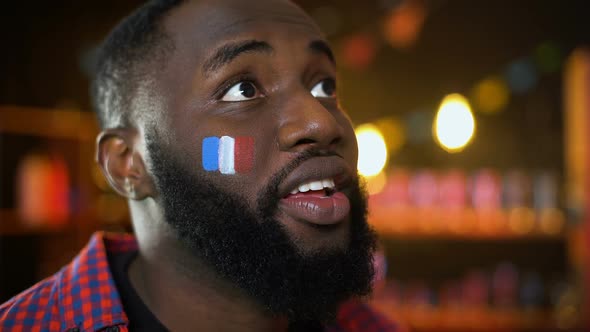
(135, 41)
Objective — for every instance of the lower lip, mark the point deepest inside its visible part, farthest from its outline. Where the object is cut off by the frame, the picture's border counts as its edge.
(316, 208)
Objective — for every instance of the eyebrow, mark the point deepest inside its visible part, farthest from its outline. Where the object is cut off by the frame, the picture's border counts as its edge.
(320, 46)
(228, 52)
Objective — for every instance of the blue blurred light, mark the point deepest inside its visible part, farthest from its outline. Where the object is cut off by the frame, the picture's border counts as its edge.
(521, 76)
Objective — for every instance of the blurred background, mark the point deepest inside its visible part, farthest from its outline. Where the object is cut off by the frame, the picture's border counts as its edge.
(473, 123)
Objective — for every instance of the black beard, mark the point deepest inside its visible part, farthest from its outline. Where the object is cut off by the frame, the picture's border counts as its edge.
(251, 249)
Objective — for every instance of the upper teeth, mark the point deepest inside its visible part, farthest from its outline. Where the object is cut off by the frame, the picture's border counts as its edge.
(314, 185)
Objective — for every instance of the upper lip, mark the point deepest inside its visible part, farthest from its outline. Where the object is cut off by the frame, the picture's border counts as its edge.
(315, 169)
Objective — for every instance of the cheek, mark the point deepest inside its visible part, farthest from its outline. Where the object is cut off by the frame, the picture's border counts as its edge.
(228, 155)
(229, 162)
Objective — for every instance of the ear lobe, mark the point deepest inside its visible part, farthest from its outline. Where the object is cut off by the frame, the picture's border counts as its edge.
(122, 163)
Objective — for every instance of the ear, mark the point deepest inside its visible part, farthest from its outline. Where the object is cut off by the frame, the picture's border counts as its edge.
(122, 163)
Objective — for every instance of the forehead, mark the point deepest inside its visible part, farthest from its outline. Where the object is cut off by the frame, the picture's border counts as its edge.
(201, 25)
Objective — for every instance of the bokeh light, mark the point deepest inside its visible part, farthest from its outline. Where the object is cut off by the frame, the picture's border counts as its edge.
(521, 220)
(491, 95)
(552, 221)
(521, 76)
(452, 188)
(43, 190)
(372, 150)
(423, 189)
(454, 125)
(548, 57)
(402, 26)
(359, 51)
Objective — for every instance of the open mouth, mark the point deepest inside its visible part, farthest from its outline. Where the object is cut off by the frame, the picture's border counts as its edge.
(318, 202)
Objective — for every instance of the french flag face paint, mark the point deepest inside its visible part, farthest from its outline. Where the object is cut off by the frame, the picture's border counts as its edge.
(228, 155)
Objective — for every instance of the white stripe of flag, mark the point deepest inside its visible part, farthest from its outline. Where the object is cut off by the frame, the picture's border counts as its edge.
(226, 155)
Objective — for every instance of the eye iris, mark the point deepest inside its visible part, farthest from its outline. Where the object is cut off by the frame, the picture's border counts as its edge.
(248, 90)
(329, 87)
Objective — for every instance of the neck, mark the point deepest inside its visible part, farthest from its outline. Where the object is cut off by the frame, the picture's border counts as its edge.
(183, 292)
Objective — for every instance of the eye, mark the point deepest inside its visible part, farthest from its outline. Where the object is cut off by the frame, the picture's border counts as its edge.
(242, 91)
(324, 89)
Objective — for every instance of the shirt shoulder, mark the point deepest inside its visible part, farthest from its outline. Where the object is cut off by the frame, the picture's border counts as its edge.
(34, 309)
(82, 295)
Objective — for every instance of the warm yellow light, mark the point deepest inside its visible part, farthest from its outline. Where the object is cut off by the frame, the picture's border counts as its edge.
(372, 150)
(521, 220)
(454, 124)
(491, 95)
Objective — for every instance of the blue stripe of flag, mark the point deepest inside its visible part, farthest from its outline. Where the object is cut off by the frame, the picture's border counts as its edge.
(211, 153)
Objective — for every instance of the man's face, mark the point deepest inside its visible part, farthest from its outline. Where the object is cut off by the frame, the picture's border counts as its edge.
(262, 71)
(264, 92)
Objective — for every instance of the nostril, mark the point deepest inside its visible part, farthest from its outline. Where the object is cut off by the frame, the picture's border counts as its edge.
(305, 141)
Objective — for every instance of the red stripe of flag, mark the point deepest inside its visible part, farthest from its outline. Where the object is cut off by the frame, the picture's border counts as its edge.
(244, 154)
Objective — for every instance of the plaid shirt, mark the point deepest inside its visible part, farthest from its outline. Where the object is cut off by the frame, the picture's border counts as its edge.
(82, 296)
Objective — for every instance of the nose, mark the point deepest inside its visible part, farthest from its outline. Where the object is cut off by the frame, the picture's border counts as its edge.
(305, 122)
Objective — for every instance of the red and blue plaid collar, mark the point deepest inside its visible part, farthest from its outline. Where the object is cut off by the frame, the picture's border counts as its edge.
(87, 294)
(88, 297)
